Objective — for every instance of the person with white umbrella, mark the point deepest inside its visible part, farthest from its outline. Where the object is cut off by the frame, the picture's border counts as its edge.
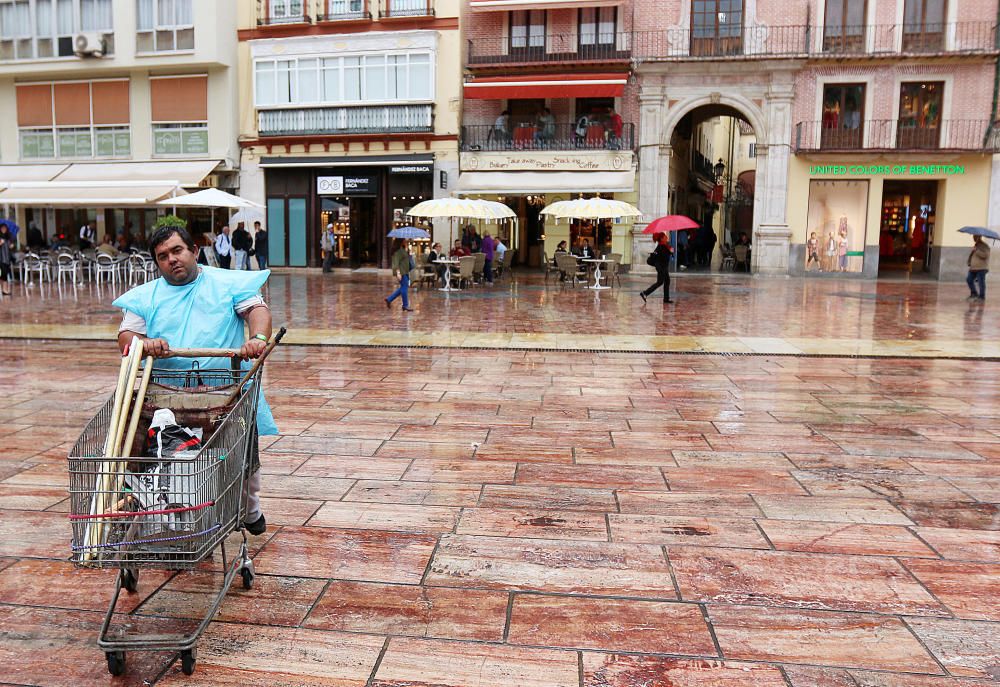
(223, 248)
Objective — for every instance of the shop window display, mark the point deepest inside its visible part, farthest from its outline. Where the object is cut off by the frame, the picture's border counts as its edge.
(836, 229)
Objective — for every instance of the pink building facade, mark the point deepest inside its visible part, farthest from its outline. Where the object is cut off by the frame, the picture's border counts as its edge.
(873, 118)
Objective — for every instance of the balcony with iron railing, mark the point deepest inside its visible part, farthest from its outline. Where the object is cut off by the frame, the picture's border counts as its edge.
(560, 137)
(284, 12)
(555, 48)
(740, 42)
(391, 9)
(331, 121)
(894, 134)
(342, 10)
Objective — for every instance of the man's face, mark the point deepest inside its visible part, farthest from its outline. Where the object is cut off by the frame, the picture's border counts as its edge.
(225, 230)
(178, 264)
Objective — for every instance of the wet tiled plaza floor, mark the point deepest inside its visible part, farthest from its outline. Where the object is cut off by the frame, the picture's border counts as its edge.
(457, 517)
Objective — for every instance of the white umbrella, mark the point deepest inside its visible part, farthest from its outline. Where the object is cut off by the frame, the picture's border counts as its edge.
(462, 208)
(248, 216)
(211, 198)
(469, 208)
(591, 208)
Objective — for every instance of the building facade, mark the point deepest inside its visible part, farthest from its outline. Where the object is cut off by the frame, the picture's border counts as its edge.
(348, 116)
(872, 124)
(549, 113)
(107, 106)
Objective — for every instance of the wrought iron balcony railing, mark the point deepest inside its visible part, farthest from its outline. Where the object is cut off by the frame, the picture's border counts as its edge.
(561, 137)
(896, 134)
(343, 10)
(407, 8)
(281, 12)
(552, 48)
(364, 119)
(736, 42)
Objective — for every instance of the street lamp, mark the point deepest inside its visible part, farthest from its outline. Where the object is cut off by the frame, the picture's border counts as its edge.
(720, 170)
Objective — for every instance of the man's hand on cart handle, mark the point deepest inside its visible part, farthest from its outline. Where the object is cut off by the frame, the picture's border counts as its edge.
(253, 349)
(158, 348)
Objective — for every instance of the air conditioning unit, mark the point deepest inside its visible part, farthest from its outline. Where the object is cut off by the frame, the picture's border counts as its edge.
(88, 45)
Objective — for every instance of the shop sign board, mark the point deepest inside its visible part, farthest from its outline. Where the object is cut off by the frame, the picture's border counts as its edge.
(547, 161)
(346, 185)
(887, 170)
(410, 169)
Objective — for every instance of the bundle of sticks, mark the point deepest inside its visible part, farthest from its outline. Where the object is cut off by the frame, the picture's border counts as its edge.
(125, 412)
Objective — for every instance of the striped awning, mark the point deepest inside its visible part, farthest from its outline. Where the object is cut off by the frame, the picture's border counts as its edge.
(546, 86)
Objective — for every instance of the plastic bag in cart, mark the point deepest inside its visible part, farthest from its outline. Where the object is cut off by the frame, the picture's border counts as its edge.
(172, 481)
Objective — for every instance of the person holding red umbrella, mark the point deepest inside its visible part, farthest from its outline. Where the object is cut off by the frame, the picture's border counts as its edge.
(660, 259)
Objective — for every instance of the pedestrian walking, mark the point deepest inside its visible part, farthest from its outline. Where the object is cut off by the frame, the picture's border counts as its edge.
(326, 242)
(242, 243)
(489, 247)
(979, 265)
(402, 263)
(660, 259)
(223, 248)
(6, 252)
(260, 246)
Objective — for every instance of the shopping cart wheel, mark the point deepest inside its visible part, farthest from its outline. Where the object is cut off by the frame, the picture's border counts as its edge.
(116, 662)
(187, 661)
(130, 579)
(247, 573)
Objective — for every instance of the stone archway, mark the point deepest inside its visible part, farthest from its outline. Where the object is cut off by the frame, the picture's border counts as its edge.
(762, 99)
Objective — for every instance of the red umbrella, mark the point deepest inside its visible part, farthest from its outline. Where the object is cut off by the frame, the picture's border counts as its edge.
(670, 223)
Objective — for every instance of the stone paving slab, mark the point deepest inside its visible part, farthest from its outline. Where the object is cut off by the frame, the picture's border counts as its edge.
(842, 533)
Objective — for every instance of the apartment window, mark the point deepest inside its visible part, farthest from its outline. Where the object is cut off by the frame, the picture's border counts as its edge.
(597, 26)
(56, 23)
(716, 27)
(345, 9)
(407, 8)
(344, 80)
(180, 115)
(843, 115)
(285, 11)
(752, 151)
(919, 123)
(923, 25)
(527, 29)
(74, 120)
(164, 26)
(844, 25)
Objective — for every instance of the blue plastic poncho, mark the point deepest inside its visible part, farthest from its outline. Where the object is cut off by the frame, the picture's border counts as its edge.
(201, 314)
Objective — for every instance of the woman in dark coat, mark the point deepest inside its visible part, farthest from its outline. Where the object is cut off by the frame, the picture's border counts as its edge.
(6, 258)
(660, 259)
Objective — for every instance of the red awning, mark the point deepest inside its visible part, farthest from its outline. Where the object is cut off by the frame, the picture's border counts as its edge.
(507, 5)
(546, 86)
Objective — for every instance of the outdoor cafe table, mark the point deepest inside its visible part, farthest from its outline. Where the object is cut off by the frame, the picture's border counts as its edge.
(447, 273)
(597, 272)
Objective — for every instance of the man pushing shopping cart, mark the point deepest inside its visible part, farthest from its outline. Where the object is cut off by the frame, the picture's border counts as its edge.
(169, 467)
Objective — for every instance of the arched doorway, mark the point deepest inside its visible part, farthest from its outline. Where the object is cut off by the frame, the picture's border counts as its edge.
(711, 179)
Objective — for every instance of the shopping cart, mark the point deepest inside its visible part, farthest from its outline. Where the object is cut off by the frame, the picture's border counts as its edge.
(201, 495)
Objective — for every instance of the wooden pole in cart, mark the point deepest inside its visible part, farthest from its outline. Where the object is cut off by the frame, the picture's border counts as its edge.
(135, 359)
(256, 365)
(133, 425)
(97, 501)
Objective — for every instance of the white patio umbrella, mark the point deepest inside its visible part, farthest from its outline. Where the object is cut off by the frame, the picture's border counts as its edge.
(462, 208)
(211, 198)
(591, 208)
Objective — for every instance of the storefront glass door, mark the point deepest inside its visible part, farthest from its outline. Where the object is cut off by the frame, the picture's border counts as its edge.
(297, 232)
(276, 231)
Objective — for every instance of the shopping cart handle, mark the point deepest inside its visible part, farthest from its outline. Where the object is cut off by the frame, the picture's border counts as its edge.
(202, 353)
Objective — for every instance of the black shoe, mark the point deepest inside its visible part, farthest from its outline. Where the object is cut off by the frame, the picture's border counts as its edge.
(407, 309)
(257, 527)
(667, 300)
(388, 303)
(642, 294)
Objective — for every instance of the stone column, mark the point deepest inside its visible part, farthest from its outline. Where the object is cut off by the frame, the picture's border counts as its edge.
(772, 235)
(993, 209)
(654, 168)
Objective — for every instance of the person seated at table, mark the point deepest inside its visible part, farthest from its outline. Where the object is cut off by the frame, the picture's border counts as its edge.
(501, 128)
(546, 127)
(433, 255)
(560, 248)
(107, 248)
(585, 250)
(616, 127)
(459, 250)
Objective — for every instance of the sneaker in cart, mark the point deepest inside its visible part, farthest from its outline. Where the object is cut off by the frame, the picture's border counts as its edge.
(257, 527)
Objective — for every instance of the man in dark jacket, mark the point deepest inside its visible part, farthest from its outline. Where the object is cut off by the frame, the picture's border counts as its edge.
(260, 246)
(241, 247)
